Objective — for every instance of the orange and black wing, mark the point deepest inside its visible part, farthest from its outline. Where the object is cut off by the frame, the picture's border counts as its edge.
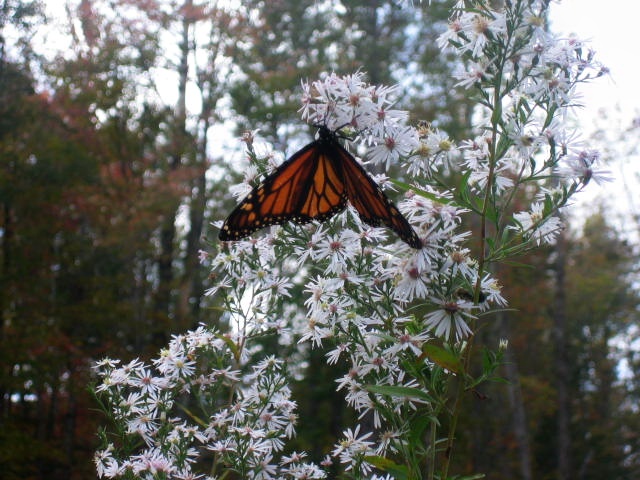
(306, 187)
(372, 204)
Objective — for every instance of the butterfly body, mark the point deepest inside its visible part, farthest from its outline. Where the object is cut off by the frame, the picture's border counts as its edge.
(315, 184)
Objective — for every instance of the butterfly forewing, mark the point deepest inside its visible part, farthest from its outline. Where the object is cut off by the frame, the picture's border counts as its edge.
(306, 187)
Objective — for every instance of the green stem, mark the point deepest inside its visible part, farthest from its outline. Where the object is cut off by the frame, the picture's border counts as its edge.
(495, 119)
(432, 461)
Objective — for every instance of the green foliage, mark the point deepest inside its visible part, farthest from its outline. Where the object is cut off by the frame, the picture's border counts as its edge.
(600, 305)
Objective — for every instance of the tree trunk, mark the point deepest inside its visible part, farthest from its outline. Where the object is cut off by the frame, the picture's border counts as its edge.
(69, 429)
(6, 240)
(519, 425)
(165, 280)
(561, 361)
(519, 418)
(168, 230)
(190, 288)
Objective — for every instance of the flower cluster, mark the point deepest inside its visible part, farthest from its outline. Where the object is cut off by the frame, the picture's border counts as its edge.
(174, 409)
(401, 319)
(353, 274)
(337, 102)
(525, 78)
(362, 297)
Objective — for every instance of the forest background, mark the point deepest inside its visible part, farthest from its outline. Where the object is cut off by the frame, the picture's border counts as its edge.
(118, 152)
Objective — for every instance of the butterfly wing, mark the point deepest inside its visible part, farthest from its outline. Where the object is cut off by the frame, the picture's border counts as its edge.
(308, 186)
(372, 204)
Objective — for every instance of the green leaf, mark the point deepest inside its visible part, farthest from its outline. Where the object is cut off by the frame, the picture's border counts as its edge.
(232, 346)
(419, 424)
(516, 264)
(193, 416)
(488, 361)
(475, 476)
(402, 392)
(398, 472)
(423, 193)
(443, 358)
(492, 214)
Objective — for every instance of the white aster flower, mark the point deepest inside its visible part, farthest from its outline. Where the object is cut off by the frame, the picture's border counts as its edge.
(353, 446)
(534, 224)
(152, 461)
(478, 29)
(106, 465)
(411, 342)
(448, 38)
(398, 142)
(474, 73)
(450, 317)
(414, 282)
(581, 167)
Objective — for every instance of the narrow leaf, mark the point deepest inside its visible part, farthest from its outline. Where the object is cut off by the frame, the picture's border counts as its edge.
(402, 392)
(399, 472)
(423, 193)
(443, 358)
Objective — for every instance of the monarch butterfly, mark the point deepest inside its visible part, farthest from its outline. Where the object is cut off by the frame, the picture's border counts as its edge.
(315, 184)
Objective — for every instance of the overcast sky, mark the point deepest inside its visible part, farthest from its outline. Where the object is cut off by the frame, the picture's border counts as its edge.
(610, 27)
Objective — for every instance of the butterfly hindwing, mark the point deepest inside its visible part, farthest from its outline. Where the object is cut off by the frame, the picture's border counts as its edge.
(306, 187)
(371, 203)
